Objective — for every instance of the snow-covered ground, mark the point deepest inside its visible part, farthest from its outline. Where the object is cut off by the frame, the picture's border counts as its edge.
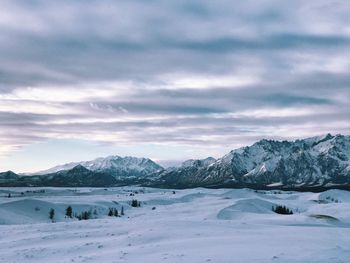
(195, 225)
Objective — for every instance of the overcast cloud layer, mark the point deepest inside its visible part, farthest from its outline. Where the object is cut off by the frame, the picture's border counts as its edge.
(215, 73)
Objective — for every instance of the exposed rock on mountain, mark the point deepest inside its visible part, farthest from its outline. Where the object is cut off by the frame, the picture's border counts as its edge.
(109, 171)
(8, 176)
(115, 165)
(313, 161)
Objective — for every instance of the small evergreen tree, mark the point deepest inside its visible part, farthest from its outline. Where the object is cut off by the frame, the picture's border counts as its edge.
(135, 203)
(69, 211)
(79, 216)
(86, 215)
(122, 211)
(52, 214)
(110, 212)
(115, 212)
(283, 210)
(9, 196)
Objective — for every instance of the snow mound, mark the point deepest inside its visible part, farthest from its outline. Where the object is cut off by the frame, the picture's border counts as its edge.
(28, 211)
(253, 205)
(335, 195)
(239, 193)
(184, 199)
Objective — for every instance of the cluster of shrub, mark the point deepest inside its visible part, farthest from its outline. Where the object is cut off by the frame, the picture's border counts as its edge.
(85, 215)
(328, 198)
(135, 203)
(283, 210)
(22, 193)
(114, 212)
(271, 192)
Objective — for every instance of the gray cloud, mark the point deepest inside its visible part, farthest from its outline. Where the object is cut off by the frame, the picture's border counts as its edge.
(292, 54)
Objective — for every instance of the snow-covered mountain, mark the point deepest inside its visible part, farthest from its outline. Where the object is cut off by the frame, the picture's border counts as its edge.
(115, 165)
(313, 161)
(180, 176)
(9, 175)
(109, 171)
(198, 163)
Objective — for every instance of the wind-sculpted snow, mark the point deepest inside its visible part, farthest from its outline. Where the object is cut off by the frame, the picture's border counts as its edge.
(184, 199)
(246, 206)
(193, 225)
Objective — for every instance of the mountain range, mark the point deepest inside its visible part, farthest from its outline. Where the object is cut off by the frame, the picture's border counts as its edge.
(109, 171)
(322, 161)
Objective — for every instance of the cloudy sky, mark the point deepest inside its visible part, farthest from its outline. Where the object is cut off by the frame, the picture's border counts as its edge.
(167, 80)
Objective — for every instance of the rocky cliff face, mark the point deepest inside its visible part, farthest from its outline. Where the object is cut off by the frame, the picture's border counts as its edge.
(313, 161)
(182, 176)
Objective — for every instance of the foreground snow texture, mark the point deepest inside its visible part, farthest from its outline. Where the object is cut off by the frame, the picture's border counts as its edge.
(196, 225)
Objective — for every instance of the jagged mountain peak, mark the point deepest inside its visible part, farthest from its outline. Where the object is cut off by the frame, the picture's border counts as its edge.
(9, 172)
(198, 162)
(321, 160)
(113, 163)
(316, 160)
(79, 168)
(8, 175)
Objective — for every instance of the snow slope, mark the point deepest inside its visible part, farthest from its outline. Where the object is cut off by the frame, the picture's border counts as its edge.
(110, 163)
(316, 161)
(193, 225)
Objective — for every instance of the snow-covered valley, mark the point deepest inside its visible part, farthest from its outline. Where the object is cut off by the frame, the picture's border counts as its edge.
(193, 225)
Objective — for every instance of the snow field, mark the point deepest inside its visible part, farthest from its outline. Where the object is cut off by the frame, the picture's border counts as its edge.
(194, 225)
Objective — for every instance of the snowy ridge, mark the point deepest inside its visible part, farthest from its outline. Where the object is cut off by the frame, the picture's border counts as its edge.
(198, 163)
(110, 163)
(318, 161)
(313, 161)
